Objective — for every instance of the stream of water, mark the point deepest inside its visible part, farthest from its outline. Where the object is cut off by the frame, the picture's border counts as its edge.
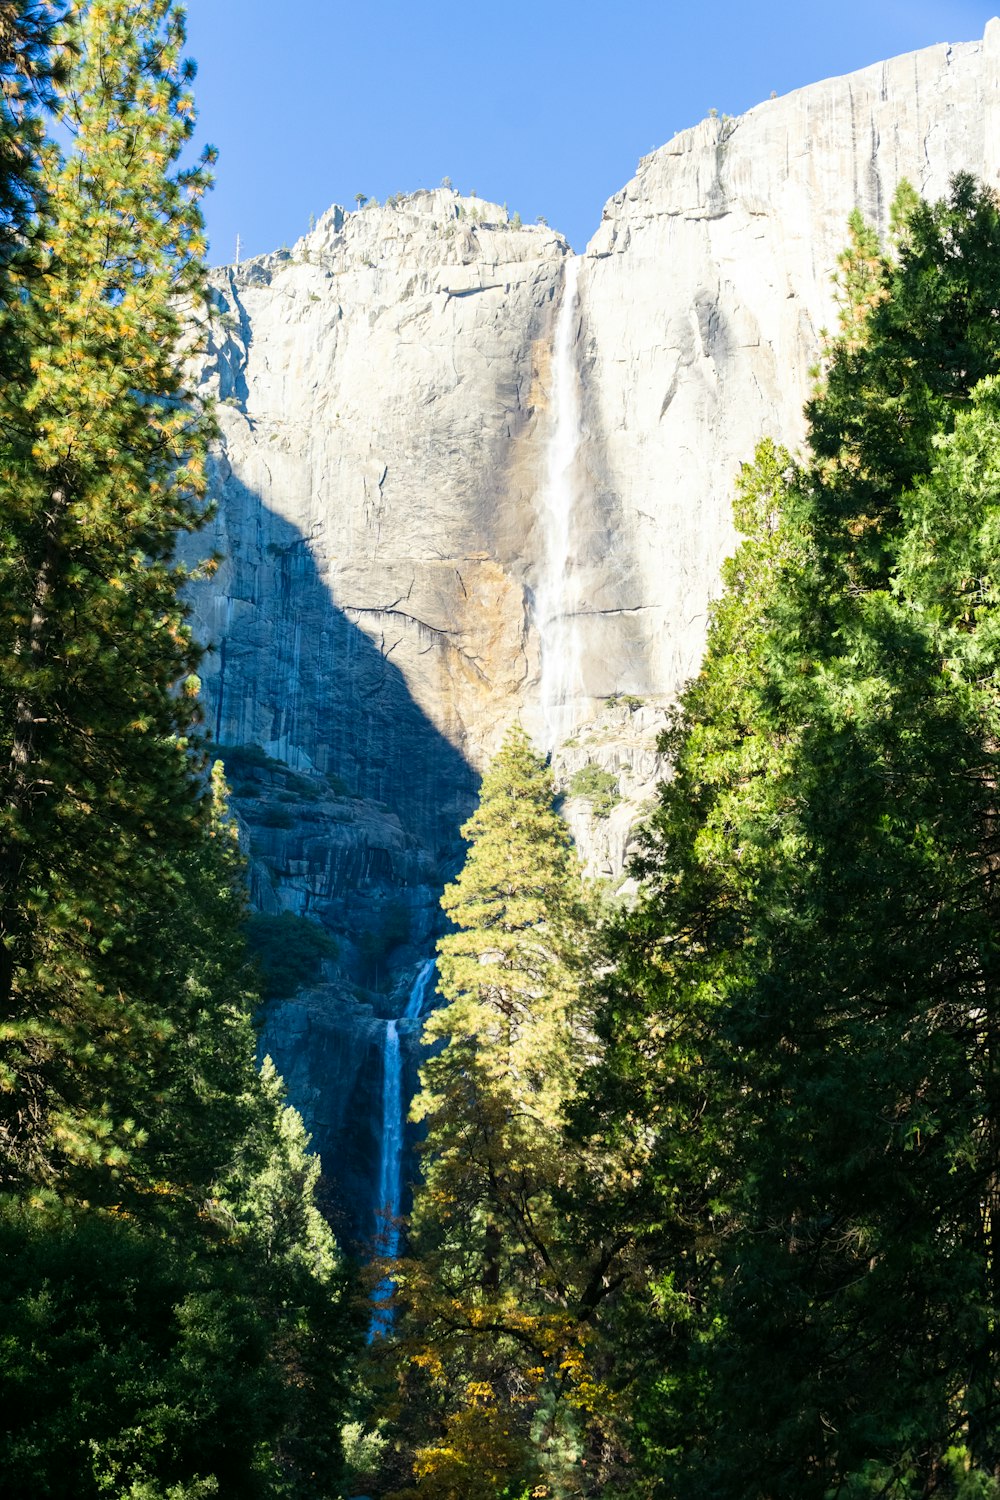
(555, 602)
(394, 1108)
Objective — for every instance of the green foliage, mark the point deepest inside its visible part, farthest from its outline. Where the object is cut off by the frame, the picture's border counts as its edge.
(169, 1365)
(239, 759)
(190, 1338)
(801, 1026)
(274, 1187)
(508, 970)
(289, 951)
(172, 1311)
(30, 62)
(859, 280)
(101, 463)
(600, 788)
(259, 769)
(497, 1390)
(905, 203)
(364, 1454)
(125, 1364)
(929, 341)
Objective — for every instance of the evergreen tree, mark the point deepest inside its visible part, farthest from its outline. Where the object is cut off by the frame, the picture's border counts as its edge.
(29, 62)
(192, 1339)
(499, 1292)
(930, 341)
(802, 1018)
(128, 1367)
(172, 1303)
(511, 970)
(659, 1096)
(101, 463)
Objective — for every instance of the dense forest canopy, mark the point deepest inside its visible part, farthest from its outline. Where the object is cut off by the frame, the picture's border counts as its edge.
(709, 1183)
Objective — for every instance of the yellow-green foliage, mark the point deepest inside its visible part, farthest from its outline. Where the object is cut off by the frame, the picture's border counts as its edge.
(495, 1350)
(509, 971)
(598, 786)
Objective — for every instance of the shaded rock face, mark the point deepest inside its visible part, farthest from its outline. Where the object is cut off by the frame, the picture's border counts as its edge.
(390, 392)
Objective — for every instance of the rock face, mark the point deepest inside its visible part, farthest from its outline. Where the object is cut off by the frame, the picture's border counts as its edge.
(706, 288)
(433, 418)
(382, 387)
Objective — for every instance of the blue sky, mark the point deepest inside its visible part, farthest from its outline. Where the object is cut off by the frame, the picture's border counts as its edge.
(546, 107)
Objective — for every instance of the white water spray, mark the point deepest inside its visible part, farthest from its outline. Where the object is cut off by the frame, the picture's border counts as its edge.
(555, 601)
(390, 1176)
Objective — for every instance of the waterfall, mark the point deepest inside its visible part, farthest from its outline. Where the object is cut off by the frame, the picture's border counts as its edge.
(417, 1002)
(390, 1176)
(554, 601)
(390, 1167)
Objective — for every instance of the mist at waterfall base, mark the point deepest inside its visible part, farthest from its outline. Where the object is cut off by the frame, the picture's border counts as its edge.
(555, 601)
(394, 1111)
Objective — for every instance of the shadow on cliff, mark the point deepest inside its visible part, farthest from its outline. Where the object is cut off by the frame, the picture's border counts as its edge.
(289, 672)
(293, 673)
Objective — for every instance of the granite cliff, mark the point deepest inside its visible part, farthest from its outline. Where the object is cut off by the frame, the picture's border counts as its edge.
(467, 476)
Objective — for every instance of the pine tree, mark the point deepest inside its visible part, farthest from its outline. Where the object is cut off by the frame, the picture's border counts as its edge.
(511, 970)
(101, 463)
(498, 1292)
(29, 62)
(197, 1340)
(860, 280)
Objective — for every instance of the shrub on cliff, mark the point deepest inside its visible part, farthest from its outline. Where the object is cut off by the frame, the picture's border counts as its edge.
(289, 951)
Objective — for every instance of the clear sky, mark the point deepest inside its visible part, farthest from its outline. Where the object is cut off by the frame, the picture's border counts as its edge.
(543, 104)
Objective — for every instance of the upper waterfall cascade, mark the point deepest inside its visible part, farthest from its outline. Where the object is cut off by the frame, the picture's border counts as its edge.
(556, 602)
(417, 1002)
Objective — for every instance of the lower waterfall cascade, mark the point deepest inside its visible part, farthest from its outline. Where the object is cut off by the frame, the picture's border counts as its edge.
(390, 1180)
